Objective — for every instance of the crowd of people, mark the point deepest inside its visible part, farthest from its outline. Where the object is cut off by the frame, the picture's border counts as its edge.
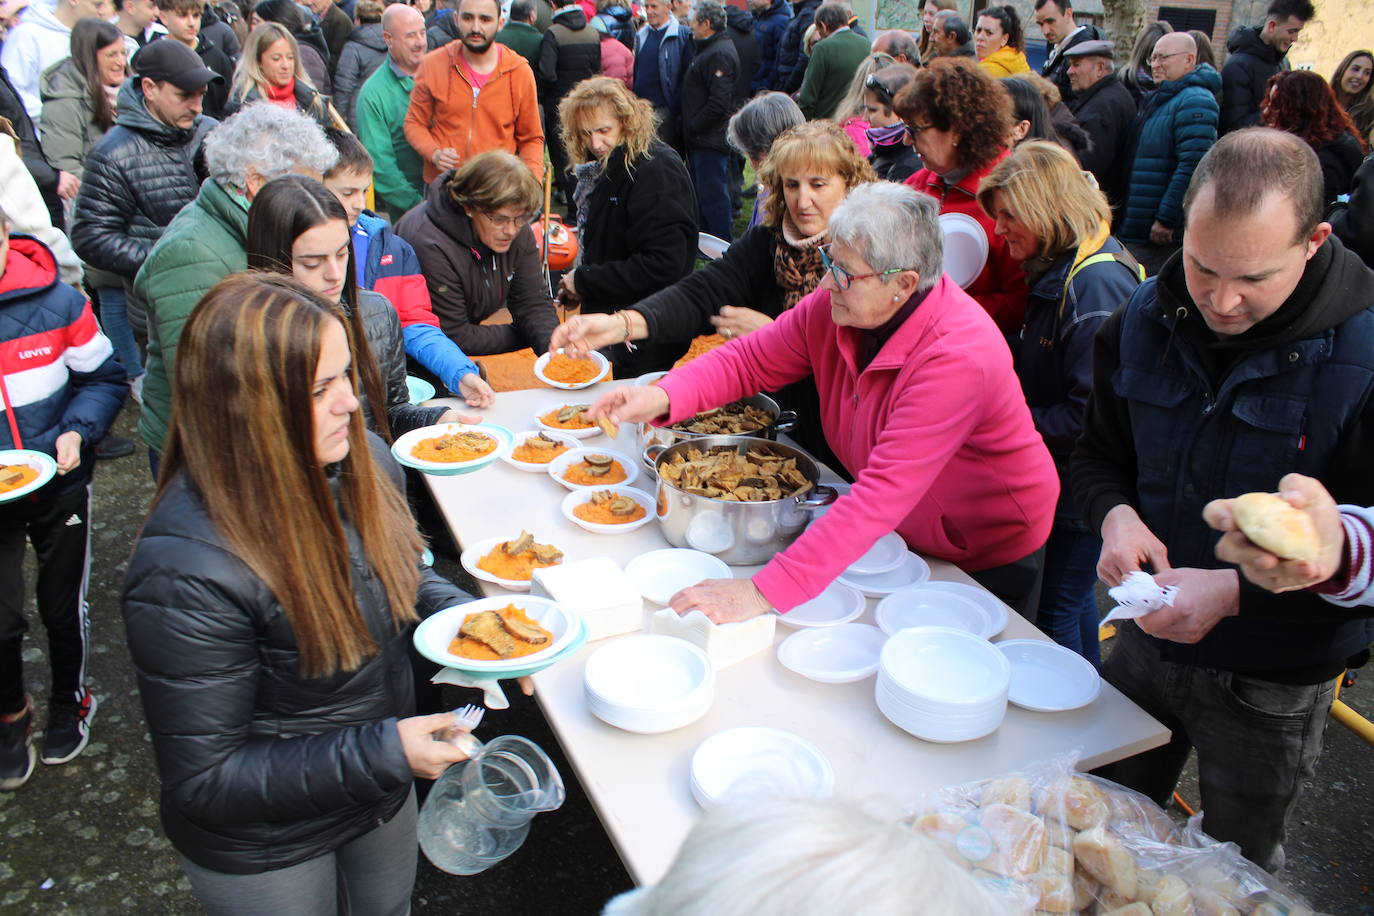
(254, 222)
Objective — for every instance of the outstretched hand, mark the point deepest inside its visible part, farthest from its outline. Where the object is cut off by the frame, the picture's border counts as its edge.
(630, 404)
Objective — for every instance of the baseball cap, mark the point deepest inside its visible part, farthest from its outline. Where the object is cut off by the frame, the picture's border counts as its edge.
(166, 60)
(1094, 48)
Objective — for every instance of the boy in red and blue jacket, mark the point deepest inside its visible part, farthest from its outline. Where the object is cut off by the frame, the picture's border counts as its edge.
(60, 389)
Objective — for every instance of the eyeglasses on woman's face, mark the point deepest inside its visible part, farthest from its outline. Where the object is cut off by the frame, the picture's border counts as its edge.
(504, 220)
(843, 278)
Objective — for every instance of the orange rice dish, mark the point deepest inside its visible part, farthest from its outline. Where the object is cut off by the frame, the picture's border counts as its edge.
(580, 473)
(570, 370)
(479, 632)
(14, 476)
(577, 420)
(518, 559)
(531, 454)
(455, 447)
(604, 508)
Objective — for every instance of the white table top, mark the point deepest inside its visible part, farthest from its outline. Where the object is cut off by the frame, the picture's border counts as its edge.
(640, 783)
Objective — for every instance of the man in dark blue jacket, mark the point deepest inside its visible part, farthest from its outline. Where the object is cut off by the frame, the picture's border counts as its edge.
(792, 57)
(60, 387)
(770, 21)
(1250, 356)
(663, 51)
(1254, 56)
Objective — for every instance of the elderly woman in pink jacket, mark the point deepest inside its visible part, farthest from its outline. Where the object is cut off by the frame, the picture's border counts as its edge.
(919, 400)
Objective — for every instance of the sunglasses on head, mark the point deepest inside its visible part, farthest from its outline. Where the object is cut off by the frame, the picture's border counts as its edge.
(875, 86)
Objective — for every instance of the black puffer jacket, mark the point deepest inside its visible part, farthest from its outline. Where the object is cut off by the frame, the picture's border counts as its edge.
(1353, 221)
(360, 57)
(382, 326)
(708, 93)
(1340, 159)
(739, 26)
(139, 176)
(792, 59)
(308, 101)
(261, 768)
(1248, 67)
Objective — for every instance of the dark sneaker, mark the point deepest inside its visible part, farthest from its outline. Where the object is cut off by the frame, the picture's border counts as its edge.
(114, 447)
(69, 728)
(16, 751)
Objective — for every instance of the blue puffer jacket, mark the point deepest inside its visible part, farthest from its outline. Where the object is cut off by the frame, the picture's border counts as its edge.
(1175, 127)
(58, 372)
(768, 28)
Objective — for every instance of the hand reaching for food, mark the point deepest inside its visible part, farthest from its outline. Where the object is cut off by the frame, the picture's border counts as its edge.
(734, 321)
(630, 404)
(1282, 542)
(722, 600)
(582, 334)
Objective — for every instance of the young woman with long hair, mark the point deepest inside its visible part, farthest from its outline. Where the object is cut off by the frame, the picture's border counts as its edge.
(1353, 83)
(271, 69)
(268, 606)
(1300, 102)
(297, 226)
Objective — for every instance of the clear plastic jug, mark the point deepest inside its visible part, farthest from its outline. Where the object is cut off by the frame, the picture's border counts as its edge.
(479, 811)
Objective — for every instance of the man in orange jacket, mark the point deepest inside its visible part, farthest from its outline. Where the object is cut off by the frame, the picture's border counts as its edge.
(472, 96)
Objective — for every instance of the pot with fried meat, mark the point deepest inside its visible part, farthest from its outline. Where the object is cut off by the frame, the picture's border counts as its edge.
(758, 416)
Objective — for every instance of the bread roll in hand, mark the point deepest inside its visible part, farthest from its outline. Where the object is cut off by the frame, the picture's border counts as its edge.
(1271, 523)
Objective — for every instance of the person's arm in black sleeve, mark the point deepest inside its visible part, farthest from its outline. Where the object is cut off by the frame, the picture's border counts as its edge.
(742, 277)
(401, 415)
(1102, 471)
(104, 212)
(1353, 221)
(548, 62)
(1239, 104)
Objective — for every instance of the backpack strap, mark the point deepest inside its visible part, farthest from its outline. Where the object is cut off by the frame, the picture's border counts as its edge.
(1124, 258)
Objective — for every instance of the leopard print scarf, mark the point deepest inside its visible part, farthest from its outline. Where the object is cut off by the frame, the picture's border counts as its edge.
(797, 262)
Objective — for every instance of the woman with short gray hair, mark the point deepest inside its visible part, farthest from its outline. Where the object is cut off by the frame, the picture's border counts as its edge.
(918, 400)
(753, 129)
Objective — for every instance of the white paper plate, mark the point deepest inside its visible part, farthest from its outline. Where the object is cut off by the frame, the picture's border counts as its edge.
(648, 673)
(1049, 678)
(41, 462)
(475, 552)
(401, 448)
(649, 378)
(997, 611)
(834, 655)
(587, 433)
(966, 247)
(922, 607)
(711, 246)
(559, 465)
(836, 605)
(518, 438)
(582, 494)
(603, 364)
(943, 668)
(434, 633)
(913, 571)
(418, 389)
(660, 574)
(750, 763)
(886, 554)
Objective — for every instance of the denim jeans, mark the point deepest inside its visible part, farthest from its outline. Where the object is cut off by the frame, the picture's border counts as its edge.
(710, 171)
(374, 874)
(1256, 742)
(1068, 607)
(114, 320)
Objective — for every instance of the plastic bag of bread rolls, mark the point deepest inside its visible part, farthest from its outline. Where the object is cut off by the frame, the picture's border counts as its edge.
(1050, 840)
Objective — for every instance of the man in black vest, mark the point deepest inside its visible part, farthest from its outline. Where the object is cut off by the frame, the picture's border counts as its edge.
(1250, 356)
(569, 53)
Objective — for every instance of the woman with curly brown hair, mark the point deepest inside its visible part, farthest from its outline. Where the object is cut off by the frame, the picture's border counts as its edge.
(1353, 83)
(959, 119)
(1300, 102)
(639, 230)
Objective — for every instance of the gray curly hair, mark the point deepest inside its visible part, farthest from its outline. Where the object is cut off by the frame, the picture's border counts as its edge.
(892, 226)
(267, 139)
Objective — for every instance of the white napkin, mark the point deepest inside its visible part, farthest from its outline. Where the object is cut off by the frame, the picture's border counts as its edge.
(1138, 595)
(493, 696)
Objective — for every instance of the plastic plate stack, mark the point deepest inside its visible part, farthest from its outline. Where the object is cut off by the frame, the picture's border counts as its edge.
(649, 684)
(435, 633)
(942, 684)
(751, 764)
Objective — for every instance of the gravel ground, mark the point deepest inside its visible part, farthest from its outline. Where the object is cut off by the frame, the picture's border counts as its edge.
(85, 837)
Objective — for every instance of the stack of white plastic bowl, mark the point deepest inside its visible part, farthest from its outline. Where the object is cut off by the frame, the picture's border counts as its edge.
(649, 684)
(942, 684)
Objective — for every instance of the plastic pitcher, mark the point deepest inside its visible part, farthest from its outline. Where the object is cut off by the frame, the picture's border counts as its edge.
(479, 811)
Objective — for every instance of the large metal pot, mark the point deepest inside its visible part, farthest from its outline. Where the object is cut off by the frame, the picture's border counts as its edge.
(740, 533)
(783, 421)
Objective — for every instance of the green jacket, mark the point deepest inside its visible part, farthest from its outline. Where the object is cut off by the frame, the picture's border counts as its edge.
(380, 112)
(202, 245)
(69, 128)
(834, 61)
(523, 39)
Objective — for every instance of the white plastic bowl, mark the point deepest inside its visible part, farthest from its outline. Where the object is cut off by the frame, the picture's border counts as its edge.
(587, 433)
(754, 764)
(649, 378)
(836, 605)
(649, 683)
(833, 655)
(886, 554)
(401, 448)
(476, 551)
(41, 462)
(582, 494)
(660, 574)
(603, 365)
(922, 607)
(939, 729)
(1049, 678)
(433, 635)
(559, 465)
(945, 667)
(518, 438)
(911, 572)
(997, 611)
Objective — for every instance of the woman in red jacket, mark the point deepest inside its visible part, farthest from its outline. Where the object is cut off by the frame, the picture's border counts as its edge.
(960, 119)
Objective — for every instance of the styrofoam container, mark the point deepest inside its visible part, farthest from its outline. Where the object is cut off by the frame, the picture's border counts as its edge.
(435, 633)
(886, 554)
(833, 655)
(755, 764)
(836, 605)
(470, 557)
(911, 572)
(922, 607)
(603, 367)
(559, 465)
(582, 494)
(660, 574)
(945, 666)
(997, 611)
(517, 439)
(649, 684)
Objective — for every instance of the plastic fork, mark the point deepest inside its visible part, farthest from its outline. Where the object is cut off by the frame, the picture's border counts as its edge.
(466, 719)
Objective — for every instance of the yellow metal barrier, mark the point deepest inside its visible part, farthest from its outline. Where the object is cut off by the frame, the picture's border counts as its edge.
(1349, 717)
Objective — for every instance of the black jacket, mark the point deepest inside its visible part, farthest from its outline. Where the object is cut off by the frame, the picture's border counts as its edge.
(897, 162)
(739, 25)
(791, 60)
(1339, 160)
(262, 768)
(469, 283)
(708, 93)
(308, 101)
(1106, 111)
(442, 32)
(1353, 221)
(382, 326)
(137, 178)
(1249, 65)
(1291, 394)
(216, 91)
(1056, 66)
(44, 175)
(569, 53)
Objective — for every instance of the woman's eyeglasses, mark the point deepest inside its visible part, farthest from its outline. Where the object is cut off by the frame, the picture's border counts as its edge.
(843, 278)
(914, 131)
(505, 222)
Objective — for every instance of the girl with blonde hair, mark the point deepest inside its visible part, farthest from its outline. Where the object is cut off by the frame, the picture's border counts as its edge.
(850, 112)
(270, 70)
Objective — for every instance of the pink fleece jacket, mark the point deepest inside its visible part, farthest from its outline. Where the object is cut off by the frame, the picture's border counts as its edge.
(935, 430)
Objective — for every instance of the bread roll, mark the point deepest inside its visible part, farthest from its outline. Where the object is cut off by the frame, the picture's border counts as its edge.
(1271, 523)
(1101, 855)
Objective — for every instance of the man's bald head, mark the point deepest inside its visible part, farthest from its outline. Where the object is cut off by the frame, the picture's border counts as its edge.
(900, 45)
(1174, 57)
(403, 30)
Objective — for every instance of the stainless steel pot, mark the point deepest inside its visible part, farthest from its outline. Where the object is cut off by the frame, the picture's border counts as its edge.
(783, 421)
(740, 533)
